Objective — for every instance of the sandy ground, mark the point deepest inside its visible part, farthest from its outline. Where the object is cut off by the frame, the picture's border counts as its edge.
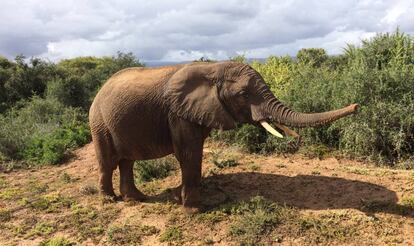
(377, 202)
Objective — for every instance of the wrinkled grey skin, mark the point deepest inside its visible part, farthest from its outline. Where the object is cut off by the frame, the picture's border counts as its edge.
(147, 113)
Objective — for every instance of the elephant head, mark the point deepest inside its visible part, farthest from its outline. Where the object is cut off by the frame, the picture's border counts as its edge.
(218, 95)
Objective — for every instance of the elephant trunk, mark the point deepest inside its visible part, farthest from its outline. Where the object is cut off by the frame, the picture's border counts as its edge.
(284, 115)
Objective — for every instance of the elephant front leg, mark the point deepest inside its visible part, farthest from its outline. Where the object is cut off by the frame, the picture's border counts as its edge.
(188, 140)
(191, 184)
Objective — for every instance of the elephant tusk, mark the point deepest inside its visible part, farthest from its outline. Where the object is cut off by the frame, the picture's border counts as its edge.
(288, 131)
(270, 129)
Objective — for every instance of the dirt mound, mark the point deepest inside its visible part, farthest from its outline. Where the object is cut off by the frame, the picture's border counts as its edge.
(255, 200)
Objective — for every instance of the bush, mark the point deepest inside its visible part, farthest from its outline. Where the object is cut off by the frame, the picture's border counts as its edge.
(154, 169)
(379, 76)
(256, 218)
(41, 130)
(57, 241)
(255, 139)
(69, 91)
(22, 80)
(43, 106)
(51, 148)
(312, 56)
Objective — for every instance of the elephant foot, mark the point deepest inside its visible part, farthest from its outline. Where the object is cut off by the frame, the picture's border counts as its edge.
(108, 194)
(191, 200)
(176, 193)
(191, 210)
(133, 195)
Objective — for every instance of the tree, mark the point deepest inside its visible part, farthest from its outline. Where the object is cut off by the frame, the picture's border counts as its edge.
(312, 56)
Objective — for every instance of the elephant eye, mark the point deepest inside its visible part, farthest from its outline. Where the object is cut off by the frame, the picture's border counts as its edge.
(244, 94)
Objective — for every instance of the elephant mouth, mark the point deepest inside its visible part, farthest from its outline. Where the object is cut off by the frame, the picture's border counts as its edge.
(287, 131)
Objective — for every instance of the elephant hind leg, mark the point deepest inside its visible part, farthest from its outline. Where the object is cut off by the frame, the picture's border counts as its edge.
(127, 187)
(106, 156)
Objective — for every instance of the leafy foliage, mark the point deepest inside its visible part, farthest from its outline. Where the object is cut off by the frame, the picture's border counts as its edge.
(154, 169)
(43, 106)
(379, 76)
(256, 140)
(30, 128)
(51, 148)
(256, 217)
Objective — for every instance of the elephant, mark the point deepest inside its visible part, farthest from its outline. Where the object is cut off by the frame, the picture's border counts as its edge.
(146, 113)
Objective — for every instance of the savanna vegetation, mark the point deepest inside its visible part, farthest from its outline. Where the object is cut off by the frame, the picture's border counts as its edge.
(44, 105)
(249, 197)
(379, 75)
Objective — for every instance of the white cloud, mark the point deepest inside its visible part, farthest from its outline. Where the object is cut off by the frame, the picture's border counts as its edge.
(186, 30)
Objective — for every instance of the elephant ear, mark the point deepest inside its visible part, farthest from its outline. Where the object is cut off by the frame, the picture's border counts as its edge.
(194, 97)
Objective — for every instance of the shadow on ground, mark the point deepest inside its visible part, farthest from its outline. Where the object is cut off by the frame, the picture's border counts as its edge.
(302, 191)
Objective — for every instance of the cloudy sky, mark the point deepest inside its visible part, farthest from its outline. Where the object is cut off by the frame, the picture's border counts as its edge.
(179, 30)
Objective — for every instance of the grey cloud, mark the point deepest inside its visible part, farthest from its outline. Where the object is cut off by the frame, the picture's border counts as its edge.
(180, 29)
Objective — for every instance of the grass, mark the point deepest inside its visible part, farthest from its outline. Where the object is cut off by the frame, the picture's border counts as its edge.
(254, 167)
(357, 170)
(259, 221)
(88, 190)
(10, 193)
(326, 227)
(315, 151)
(211, 217)
(42, 229)
(146, 171)
(25, 226)
(281, 166)
(408, 201)
(151, 187)
(172, 234)
(2, 182)
(36, 187)
(226, 163)
(255, 219)
(57, 241)
(50, 203)
(90, 222)
(66, 178)
(5, 215)
(160, 208)
(374, 206)
(221, 161)
(129, 234)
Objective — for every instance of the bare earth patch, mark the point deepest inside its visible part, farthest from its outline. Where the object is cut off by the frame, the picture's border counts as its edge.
(248, 199)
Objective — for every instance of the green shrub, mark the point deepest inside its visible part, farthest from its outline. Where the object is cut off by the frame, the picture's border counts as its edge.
(5, 215)
(312, 56)
(256, 218)
(172, 234)
(255, 139)
(43, 106)
(41, 130)
(277, 72)
(51, 148)
(154, 169)
(129, 234)
(69, 91)
(379, 76)
(223, 162)
(20, 80)
(57, 241)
